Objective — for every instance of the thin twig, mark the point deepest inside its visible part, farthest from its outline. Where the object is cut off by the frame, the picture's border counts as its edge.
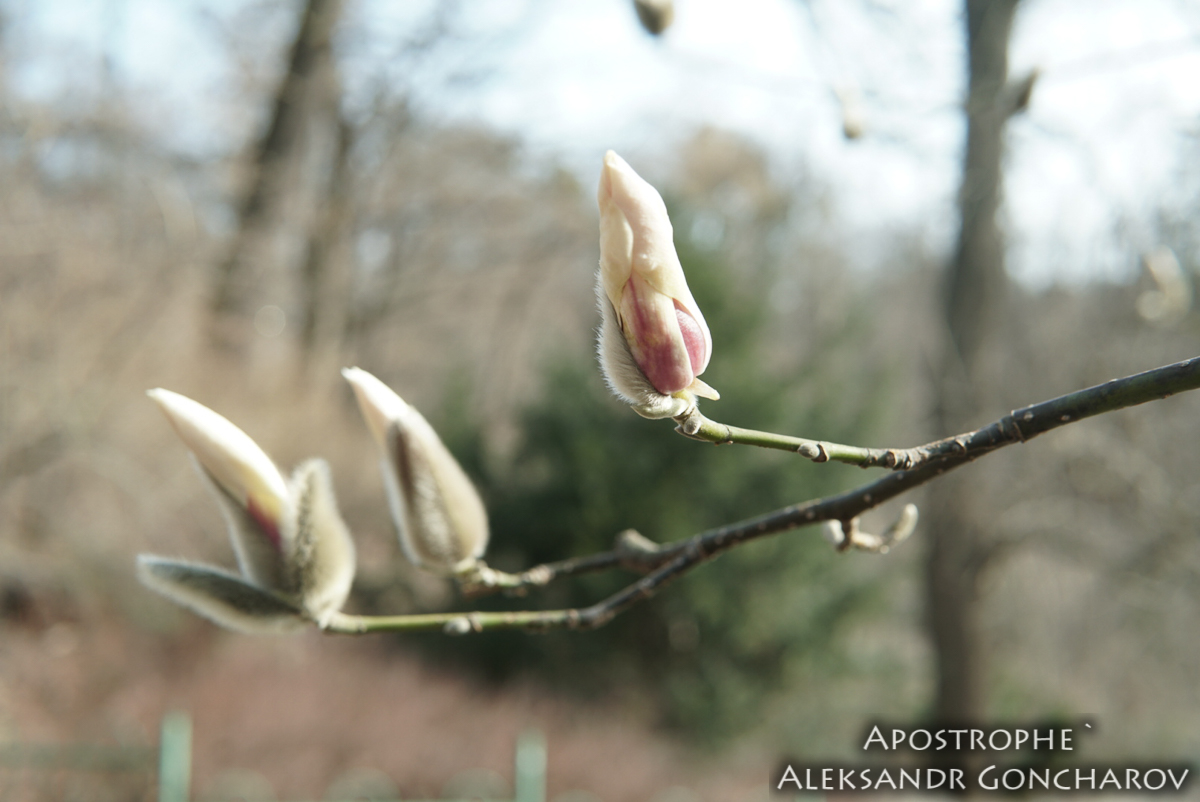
(1015, 427)
(632, 551)
(663, 564)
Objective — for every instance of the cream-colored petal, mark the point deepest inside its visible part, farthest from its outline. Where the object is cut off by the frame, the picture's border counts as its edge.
(231, 458)
(616, 238)
(653, 247)
(260, 558)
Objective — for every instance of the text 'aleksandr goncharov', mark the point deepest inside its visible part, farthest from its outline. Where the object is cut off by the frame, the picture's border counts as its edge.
(1048, 773)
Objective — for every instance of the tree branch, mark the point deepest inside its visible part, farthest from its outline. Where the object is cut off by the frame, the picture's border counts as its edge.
(663, 564)
(632, 551)
(1018, 426)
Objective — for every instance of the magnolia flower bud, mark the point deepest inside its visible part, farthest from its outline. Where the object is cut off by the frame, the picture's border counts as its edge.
(655, 15)
(438, 514)
(654, 342)
(853, 115)
(250, 489)
(294, 552)
(1171, 299)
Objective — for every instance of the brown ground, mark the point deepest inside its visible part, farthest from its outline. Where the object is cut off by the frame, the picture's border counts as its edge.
(288, 716)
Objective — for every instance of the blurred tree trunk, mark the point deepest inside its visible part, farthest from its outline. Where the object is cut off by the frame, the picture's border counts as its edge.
(310, 65)
(975, 296)
(325, 237)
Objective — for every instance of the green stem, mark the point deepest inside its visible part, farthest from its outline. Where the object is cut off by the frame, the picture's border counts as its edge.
(1018, 426)
(451, 623)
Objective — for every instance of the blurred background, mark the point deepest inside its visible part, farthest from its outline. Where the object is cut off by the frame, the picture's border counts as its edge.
(901, 220)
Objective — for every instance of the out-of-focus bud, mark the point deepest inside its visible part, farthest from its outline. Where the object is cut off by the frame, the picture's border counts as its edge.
(294, 552)
(252, 492)
(1017, 94)
(843, 536)
(438, 514)
(655, 15)
(1171, 298)
(853, 115)
(654, 342)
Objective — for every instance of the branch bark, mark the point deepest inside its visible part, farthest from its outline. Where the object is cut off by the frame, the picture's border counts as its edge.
(1019, 425)
(662, 564)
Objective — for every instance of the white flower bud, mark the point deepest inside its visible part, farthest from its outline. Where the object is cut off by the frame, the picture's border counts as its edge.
(654, 342)
(438, 514)
(250, 489)
(292, 547)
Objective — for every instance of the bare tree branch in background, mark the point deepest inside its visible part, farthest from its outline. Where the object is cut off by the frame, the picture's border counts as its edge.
(326, 236)
(310, 58)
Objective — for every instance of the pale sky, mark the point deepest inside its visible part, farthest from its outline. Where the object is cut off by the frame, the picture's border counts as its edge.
(1103, 140)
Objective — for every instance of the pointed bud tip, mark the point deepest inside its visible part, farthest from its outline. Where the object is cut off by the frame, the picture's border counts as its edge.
(703, 390)
(167, 399)
(617, 178)
(380, 405)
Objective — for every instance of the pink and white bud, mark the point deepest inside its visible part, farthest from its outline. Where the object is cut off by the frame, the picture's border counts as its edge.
(244, 474)
(292, 548)
(654, 342)
(439, 516)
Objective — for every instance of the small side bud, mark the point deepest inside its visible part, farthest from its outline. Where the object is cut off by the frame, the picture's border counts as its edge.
(1170, 299)
(845, 535)
(220, 596)
(902, 527)
(1019, 92)
(831, 532)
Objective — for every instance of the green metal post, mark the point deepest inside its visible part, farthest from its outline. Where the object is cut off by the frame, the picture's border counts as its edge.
(175, 758)
(531, 767)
